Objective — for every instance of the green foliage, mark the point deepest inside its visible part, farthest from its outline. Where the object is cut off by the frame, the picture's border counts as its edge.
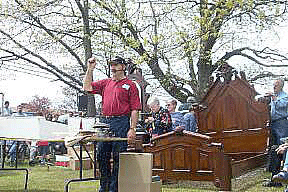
(143, 58)
(132, 42)
(261, 15)
(186, 31)
(145, 41)
(230, 4)
(250, 5)
(157, 38)
(277, 10)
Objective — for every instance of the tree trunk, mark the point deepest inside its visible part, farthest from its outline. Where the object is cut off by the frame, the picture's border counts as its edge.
(204, 74)
(204, 68)
(91, 109)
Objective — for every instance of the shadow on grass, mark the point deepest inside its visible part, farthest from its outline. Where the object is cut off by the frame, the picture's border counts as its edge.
(253, 181)
(189, 186)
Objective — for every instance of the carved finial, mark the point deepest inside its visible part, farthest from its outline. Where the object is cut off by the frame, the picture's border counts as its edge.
(226, 71)
(243, 75)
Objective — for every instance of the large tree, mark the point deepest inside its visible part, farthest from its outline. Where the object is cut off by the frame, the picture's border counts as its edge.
(192, 36)
(181, 42)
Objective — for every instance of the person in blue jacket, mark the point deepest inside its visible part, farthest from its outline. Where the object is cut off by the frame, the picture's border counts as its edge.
(279, 127)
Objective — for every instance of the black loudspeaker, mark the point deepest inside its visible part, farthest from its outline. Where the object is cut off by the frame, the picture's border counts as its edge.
(82, 102)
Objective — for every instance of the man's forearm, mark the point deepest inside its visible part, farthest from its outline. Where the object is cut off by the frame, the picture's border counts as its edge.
(134, 119)
(88, 80)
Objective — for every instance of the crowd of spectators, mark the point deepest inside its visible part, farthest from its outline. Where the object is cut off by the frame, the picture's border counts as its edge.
(161, 120)
(62, 117)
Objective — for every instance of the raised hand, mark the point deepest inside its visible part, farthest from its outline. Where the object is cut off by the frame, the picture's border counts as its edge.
(91, 63)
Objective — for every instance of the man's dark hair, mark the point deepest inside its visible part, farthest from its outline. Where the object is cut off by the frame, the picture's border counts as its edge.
(131, 67)
(6, 102)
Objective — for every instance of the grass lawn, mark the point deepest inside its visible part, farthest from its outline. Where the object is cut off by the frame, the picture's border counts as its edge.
(42, 179)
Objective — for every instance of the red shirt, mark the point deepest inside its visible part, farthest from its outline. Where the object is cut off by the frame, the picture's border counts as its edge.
(118, 97)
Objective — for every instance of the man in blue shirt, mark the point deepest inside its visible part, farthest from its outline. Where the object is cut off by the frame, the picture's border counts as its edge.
(279, 126)
(6, 110)
(177, 117)
(279, 112)
(189, 118)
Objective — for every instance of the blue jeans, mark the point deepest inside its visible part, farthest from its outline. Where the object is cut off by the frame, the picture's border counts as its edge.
(279, 130)
(285, 158)
(119, 127)
(12, 152)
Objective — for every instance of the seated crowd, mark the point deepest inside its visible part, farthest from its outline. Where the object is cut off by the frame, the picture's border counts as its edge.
(161, 120)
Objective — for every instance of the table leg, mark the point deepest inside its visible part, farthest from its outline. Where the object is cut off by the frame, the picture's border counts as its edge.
(95, 158)
(19, 169)
(3, 154)
(80, 162)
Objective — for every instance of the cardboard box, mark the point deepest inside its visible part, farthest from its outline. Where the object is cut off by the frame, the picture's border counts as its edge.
(139, 187)
(135, 167)
(135, 187)
(135, 172)
(75, 164)
(155, 186)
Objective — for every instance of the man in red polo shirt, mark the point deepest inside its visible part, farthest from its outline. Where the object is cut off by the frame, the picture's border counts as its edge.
(120, 106)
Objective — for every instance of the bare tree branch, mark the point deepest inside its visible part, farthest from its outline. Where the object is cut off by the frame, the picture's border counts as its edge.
(263, 75)
(37, 20)
(265, 53)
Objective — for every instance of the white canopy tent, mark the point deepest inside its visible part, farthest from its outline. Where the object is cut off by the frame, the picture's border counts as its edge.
(38, 128)
(32, 128)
